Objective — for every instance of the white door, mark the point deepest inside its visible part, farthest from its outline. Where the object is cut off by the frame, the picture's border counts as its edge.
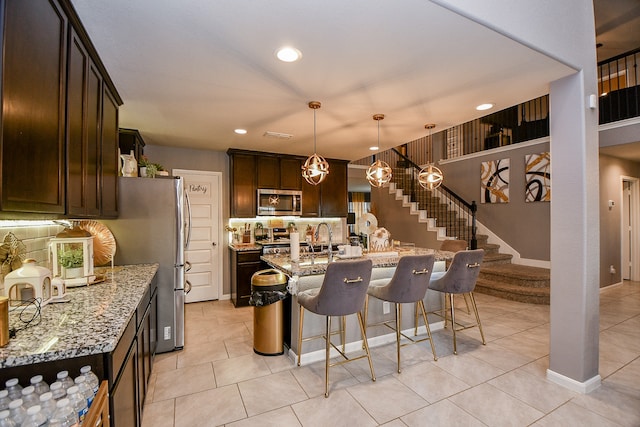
(204, 255)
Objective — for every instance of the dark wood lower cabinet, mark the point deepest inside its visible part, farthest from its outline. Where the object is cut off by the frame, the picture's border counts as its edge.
(243, 265)
(124, 394)
(127, 368)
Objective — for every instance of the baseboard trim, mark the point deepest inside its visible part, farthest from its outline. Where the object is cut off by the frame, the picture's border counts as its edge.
(577, 386)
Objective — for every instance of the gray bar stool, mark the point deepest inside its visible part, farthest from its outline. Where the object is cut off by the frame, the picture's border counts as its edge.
(408, 285)
(460, 278)
(342, 293)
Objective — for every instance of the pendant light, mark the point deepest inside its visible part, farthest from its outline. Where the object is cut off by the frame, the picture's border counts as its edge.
(430, 177)
(316, 168)
(379, 173)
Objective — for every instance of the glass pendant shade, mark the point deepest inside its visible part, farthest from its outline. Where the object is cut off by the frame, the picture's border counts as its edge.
(315, 168)
(379, 173)
(430, 177)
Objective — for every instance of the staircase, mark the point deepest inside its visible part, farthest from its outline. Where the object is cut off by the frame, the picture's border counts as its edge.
(498, 276)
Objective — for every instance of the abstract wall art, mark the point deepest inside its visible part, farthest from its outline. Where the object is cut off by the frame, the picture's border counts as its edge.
(538, 177)
(494, 179)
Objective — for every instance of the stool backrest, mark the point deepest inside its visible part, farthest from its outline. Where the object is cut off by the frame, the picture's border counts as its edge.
(344, 287)
(462, 274)
(411, 278)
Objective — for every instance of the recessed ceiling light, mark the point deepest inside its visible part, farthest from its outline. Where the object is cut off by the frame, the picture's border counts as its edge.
(240, 131)
(374, 148)
(288, 54)
(483, 107)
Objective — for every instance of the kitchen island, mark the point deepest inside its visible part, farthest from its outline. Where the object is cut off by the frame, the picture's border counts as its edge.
(307, 274)
(108, 325)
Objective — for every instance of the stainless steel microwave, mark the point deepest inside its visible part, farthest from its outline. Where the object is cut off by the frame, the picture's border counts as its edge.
(279, 202)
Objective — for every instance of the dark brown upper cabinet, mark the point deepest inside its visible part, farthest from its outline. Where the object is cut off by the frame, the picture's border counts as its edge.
(251, 170)
(109, 154)
(290, 173)
(243, 185)
(268, 172)
(34, 68)
(58, 152)
(84, 108)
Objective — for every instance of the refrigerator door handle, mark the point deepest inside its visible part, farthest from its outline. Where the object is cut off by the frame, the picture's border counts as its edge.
(187, 287)
(188, 225)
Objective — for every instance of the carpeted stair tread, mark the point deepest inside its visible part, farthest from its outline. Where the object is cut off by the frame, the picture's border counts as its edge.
(513, 292)
(519, 271)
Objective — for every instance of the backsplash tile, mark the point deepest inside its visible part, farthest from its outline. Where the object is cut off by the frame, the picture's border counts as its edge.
(34, 237)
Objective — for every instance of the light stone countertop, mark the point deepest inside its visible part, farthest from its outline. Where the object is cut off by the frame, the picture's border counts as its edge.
(304, 267)
(92, 321)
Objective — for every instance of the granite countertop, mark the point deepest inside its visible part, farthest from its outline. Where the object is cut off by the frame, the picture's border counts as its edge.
(304, 267)
(240, 247)
(92, 321)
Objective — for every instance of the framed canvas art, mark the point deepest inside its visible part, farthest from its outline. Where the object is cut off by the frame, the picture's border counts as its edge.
(538, 177)
(494, 179)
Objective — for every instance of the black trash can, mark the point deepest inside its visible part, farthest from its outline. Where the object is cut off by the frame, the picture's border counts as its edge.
(268, 290)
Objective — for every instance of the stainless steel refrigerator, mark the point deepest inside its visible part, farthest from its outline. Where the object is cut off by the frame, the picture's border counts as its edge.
(153, 227)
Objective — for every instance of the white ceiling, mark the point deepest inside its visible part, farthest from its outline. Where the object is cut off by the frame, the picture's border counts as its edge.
(190, 72)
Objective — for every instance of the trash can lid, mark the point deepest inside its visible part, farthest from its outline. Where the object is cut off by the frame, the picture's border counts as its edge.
(268, 277)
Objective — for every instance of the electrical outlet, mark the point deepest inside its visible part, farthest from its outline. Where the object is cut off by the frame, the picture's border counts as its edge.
(612, 269)
(386, 307)
(167, 332)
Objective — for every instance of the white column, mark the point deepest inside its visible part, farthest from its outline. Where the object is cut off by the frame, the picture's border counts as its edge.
(575, 251)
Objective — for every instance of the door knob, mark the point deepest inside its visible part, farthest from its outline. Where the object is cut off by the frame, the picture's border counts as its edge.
(213, 243)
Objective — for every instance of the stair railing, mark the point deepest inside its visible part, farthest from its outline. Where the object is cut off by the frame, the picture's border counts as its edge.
(449, 209)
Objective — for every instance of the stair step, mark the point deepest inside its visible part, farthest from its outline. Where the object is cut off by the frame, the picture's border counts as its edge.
(493, 259)
(489, 248)
(513, 292)
(520, 275)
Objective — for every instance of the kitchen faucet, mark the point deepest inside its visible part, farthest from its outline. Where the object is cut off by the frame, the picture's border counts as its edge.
(329, 253)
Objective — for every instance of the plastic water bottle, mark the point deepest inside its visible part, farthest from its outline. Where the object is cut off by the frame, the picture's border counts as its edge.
(14, 388)
(48, 404)
(34, 418)
(39, 385)
(5, 419)
(85, 390)
(65, 379)
(64, 416)
(78, 402)
(4, 400)
(57, 390)
(92, 379)
(17, 411)
(29, 397)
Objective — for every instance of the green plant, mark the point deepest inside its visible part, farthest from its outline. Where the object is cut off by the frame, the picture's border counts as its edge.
(143, 162)
(71, 258)
(152, 169)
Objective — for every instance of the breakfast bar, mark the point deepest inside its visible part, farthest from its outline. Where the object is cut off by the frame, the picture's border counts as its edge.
(308, 273)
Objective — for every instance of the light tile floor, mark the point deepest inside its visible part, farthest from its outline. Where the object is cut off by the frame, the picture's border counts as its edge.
(218, 380)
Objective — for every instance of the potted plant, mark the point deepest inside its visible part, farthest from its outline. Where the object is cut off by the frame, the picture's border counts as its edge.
(72, 262)
(143, 163)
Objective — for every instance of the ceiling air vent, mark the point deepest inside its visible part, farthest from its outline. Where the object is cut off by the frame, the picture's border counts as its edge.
(277, 135)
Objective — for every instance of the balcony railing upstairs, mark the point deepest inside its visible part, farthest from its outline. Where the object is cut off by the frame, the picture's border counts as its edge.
(449, 209)
(618, 87)
(522, 122)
